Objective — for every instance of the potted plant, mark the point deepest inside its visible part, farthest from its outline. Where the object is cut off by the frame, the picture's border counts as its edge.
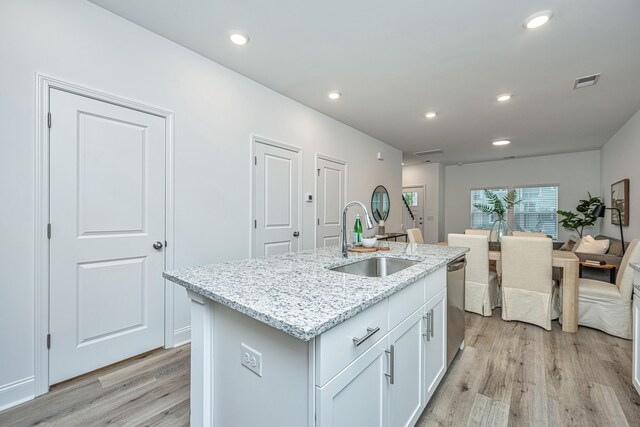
(499, 206)
(584, 218)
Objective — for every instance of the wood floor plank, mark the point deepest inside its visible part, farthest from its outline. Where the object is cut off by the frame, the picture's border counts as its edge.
(488, 412)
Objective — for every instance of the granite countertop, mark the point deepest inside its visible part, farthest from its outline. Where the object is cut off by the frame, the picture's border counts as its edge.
(297, 294)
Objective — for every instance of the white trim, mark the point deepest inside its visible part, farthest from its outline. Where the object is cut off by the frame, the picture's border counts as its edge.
(256, 139)
(315, 189)
(43, 86)
(16, 392)
(182, 336)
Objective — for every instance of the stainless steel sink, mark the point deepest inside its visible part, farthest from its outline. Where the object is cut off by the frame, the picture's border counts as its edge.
(375, 267)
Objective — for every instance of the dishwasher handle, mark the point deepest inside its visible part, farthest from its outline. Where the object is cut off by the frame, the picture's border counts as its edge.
(455, 266)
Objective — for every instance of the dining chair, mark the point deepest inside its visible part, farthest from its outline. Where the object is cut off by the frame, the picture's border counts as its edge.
(529, 234)
(528, 291)
(477, 232)
(607, 307)
(415, 235)
(481, 292)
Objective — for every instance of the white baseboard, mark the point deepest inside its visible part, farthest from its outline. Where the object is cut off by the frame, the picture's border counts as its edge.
(17, 392)
(182, 336)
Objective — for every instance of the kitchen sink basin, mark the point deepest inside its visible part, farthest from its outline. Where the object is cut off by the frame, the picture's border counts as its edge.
(375, 267)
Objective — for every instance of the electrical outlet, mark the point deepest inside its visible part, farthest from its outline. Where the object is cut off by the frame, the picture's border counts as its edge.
(251, 359)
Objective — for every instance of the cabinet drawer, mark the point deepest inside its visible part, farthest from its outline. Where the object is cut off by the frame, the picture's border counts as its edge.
(405, 302)
(434, 283)
(336, 348)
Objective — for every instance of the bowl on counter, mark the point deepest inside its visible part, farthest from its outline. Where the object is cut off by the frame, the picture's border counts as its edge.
(369, 242)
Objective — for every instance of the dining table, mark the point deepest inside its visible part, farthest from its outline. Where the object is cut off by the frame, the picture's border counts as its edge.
(569, 263)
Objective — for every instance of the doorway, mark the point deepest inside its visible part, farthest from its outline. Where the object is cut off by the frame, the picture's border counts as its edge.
(413, 210)
(330, 199)
(276, 198)
(104, 216)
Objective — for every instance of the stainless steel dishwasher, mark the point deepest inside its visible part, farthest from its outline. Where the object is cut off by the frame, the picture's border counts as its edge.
(455, 306)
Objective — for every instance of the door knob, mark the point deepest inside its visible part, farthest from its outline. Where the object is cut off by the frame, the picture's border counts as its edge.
(157, 245)
(296, 233)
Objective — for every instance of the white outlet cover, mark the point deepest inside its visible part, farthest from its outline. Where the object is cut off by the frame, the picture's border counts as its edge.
(251, 359)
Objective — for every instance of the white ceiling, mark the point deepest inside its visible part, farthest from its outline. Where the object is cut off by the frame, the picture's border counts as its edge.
(395, 60)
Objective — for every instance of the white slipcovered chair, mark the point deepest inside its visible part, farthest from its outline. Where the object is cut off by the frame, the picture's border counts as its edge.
(415, 235)
(477, 232)
(607, 307)
(528, 291)
(481, 292)
(529, 234)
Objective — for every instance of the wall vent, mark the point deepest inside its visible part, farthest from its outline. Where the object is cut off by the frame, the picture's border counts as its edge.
(586, 81)
(424, 153)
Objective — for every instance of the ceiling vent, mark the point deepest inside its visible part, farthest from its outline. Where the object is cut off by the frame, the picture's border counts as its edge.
(586, 81)
(424, 153)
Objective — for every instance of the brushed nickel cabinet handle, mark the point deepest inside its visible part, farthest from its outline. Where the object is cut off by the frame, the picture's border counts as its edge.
(392, 364)
(370, 331)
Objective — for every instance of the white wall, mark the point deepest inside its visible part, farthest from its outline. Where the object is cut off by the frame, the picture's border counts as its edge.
(216, 111)
(431, 175)
(574, 173)
(620, 159)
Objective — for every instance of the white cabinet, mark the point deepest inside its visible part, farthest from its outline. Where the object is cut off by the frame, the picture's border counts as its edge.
(435, 343)
(636, 341)
(358, 396)
(406, 391)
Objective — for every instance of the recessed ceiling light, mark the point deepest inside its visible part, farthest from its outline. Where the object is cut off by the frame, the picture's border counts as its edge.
(504, 97)
(334, 95)
(239, 38)
(501, 142)
(537, 20)
(430, 114)
(402, 163)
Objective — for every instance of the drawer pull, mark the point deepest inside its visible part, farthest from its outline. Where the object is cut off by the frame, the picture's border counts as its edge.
(370, 331)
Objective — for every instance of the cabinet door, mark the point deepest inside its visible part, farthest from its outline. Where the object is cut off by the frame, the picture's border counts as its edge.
(636, 342)
(359, 395)
(435, 343)
(406, 391)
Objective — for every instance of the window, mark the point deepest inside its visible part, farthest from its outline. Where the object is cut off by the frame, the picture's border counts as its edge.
(535, 212)
(411, 198)
(479, 219)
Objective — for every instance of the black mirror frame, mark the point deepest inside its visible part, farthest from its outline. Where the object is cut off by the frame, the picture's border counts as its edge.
(373, 210)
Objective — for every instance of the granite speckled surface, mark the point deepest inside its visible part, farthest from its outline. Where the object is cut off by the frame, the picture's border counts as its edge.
(298, 294)
(636, 266)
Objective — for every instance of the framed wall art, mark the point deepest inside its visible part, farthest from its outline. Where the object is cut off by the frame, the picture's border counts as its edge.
(620, 200)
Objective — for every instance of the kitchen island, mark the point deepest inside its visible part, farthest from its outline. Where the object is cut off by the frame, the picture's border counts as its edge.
(286, 341)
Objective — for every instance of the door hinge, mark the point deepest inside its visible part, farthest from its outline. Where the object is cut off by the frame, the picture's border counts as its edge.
(49, 231)
(318, 221)
(49, 120)
(255, 223)
(255, 160)
(318, 172)
(165, 243)
(48, 341)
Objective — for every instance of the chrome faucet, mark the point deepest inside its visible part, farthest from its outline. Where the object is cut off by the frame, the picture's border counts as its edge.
(368, 223)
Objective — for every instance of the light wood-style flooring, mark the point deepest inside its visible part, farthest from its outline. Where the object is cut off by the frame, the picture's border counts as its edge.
(516, 374)
(148, 390)
(510, 374)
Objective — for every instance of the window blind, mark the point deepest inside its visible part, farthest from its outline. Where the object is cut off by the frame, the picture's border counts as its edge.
(537, 210)
(480, 220)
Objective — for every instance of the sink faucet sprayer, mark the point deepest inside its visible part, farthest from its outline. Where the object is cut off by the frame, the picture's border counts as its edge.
(368, 223)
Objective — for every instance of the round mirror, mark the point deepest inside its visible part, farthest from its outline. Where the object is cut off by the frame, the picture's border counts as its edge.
(380, 203)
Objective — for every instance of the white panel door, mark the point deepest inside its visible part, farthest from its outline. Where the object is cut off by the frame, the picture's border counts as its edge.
(276, 200)
(407, 390)
(435, 343)
(359, 395)
(107, 190)
(416, 206)
(330, 201)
